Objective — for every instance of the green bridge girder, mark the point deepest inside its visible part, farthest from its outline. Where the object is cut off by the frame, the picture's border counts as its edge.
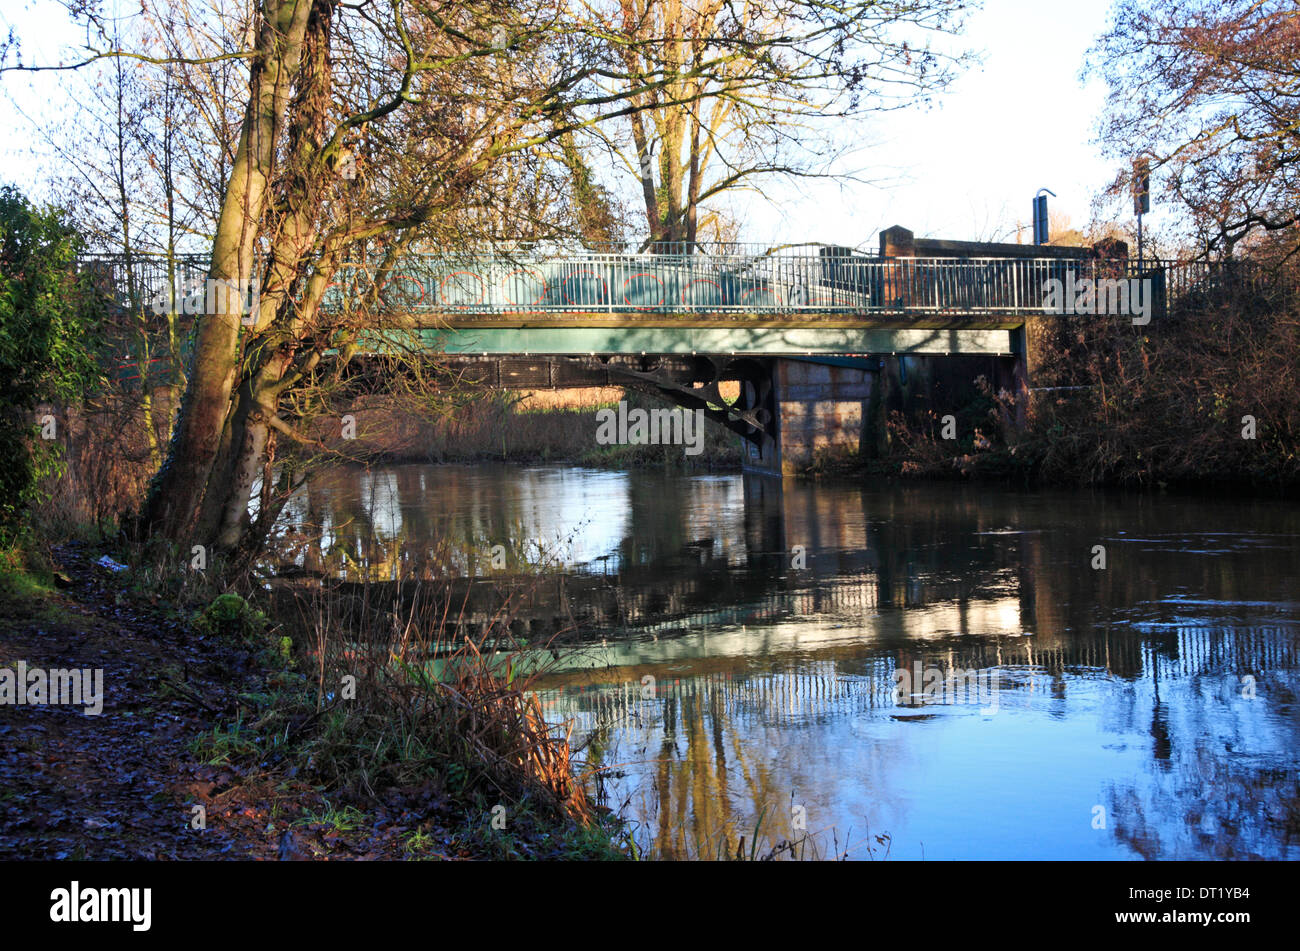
(676, 338)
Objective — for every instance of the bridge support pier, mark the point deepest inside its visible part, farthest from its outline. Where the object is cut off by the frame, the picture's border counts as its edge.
(837, 407)
(817, 407)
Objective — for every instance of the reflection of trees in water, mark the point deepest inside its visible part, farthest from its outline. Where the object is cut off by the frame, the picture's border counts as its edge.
(692, 778)
(1221, 779)
(412, 522)
(920, 545)
(398, 524)
(697, 766)
(1209, 803)
(698, 779)
(723, 743)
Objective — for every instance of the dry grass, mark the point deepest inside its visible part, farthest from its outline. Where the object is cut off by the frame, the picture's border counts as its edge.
(1120, 404)
(579, 398)
(516, 426)
(432, 704)
(1166, 402)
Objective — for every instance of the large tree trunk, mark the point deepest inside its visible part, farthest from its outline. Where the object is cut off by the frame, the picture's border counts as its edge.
(248, 468)
(179, 488)
(282, 314)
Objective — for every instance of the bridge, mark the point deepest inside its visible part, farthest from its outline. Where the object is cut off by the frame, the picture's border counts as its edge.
(817, 334)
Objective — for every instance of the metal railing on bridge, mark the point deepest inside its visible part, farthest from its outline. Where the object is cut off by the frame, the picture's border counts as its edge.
(785, 282)
(676, 279)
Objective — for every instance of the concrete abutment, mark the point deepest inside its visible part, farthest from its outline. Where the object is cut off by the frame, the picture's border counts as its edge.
(839, 409)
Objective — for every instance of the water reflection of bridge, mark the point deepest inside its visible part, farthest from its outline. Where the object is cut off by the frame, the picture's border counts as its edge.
(843, 680)
(652, 614)
(952, 568)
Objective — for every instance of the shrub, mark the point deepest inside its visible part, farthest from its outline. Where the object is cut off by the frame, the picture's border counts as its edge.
(50, 324)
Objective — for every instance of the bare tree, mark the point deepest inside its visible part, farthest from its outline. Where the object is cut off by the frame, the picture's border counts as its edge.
(729, 94)
(1209, 91)
(371, 129)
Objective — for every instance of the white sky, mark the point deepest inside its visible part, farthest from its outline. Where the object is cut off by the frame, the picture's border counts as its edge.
(966, 168)
(970, 166)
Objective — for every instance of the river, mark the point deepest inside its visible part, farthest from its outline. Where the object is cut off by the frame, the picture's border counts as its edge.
(938, 671)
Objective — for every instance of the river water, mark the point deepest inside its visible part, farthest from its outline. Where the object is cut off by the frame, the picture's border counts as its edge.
(929, 671)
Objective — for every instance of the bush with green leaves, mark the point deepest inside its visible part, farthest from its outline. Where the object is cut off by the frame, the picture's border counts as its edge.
(229, 616)
(51, 321)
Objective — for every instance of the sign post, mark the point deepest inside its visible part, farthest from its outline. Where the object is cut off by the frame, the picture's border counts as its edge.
(1141, 199)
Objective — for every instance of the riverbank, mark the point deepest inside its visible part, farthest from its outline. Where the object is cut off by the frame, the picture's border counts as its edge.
(205, 747)
(523, 427)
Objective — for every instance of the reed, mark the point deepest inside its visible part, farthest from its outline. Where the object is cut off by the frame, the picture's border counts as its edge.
(408, 696)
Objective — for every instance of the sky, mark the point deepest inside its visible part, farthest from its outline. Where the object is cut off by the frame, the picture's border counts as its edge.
(966, 168)
(971, 165)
